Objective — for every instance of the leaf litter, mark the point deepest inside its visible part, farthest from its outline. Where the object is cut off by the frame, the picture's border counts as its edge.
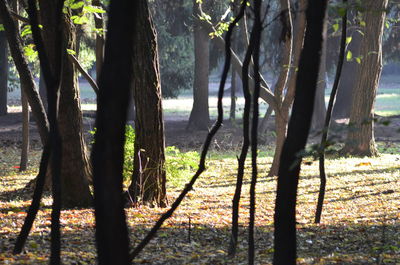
(360, 221)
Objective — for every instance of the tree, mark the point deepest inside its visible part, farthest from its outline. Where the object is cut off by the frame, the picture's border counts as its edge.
(299, 125)
(75, 169)
(3, 73)
(114, 88)
(344, 97)
(200, 116)
(149, 177)
(360, 138)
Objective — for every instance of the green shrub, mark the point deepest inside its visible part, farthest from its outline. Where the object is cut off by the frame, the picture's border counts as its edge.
(180, 165)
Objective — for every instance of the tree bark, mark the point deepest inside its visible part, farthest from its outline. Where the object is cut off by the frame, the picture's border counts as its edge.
(299, 125)
(3, 73)
(148, 179)
(75, 170)
(360, 138)
(342, 106)
(114, 85)
(199, 116)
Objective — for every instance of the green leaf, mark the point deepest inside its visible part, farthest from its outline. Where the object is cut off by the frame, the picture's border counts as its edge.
(69, 51)
(363, 24)
(349, 56)
(26, 31)
(348, 40)
(342, 11)
(1, 27)
(77, 5)
(358, 59)
(93, 9)
(335, 27)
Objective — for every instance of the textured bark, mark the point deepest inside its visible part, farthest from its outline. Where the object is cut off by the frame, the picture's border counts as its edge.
(108, 150)
(26, 77)
(3, 73)
(75, 170)
(148, 179)
(299, 125)
(200, 116)
(360, 139)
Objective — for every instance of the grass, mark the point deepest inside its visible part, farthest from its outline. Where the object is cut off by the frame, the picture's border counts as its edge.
(360, 222)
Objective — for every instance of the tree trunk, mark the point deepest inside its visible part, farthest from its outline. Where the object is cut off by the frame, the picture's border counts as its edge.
(285, 205)
(75, 170)
(25, 132)
(341, 109)
(199, 116)
(148, 179)
(3, 73)
(319, 104)
(26, 78)
(108, 151)
(360, 139)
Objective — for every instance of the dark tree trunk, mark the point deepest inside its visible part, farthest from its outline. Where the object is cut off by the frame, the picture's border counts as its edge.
(200, 116)
(319, 112)
(148, 179)
(75, 170)
(114, 85)
(26, 78)
(299, 126)
(25, 133)
(3, 73)
(360, 139)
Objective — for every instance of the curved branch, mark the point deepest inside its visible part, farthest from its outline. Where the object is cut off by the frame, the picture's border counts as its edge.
(85, 74)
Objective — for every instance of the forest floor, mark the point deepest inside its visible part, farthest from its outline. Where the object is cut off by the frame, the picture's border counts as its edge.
(360, 222)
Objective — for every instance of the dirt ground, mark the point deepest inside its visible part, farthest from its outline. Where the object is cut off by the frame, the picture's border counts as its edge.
(228, 138)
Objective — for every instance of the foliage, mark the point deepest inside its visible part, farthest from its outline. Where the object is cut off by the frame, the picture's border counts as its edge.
(175, 45)
(180, 165)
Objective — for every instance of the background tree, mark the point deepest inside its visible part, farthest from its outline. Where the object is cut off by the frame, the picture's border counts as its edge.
(148, 179)
(360, 139)
(3, 73)
(199, 116)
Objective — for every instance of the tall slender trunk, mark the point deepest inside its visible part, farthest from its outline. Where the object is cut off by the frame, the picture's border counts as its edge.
(300, 121)
(3, 73)
(25, 133)
(281, 115)
(200, 116)
(114, 84)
